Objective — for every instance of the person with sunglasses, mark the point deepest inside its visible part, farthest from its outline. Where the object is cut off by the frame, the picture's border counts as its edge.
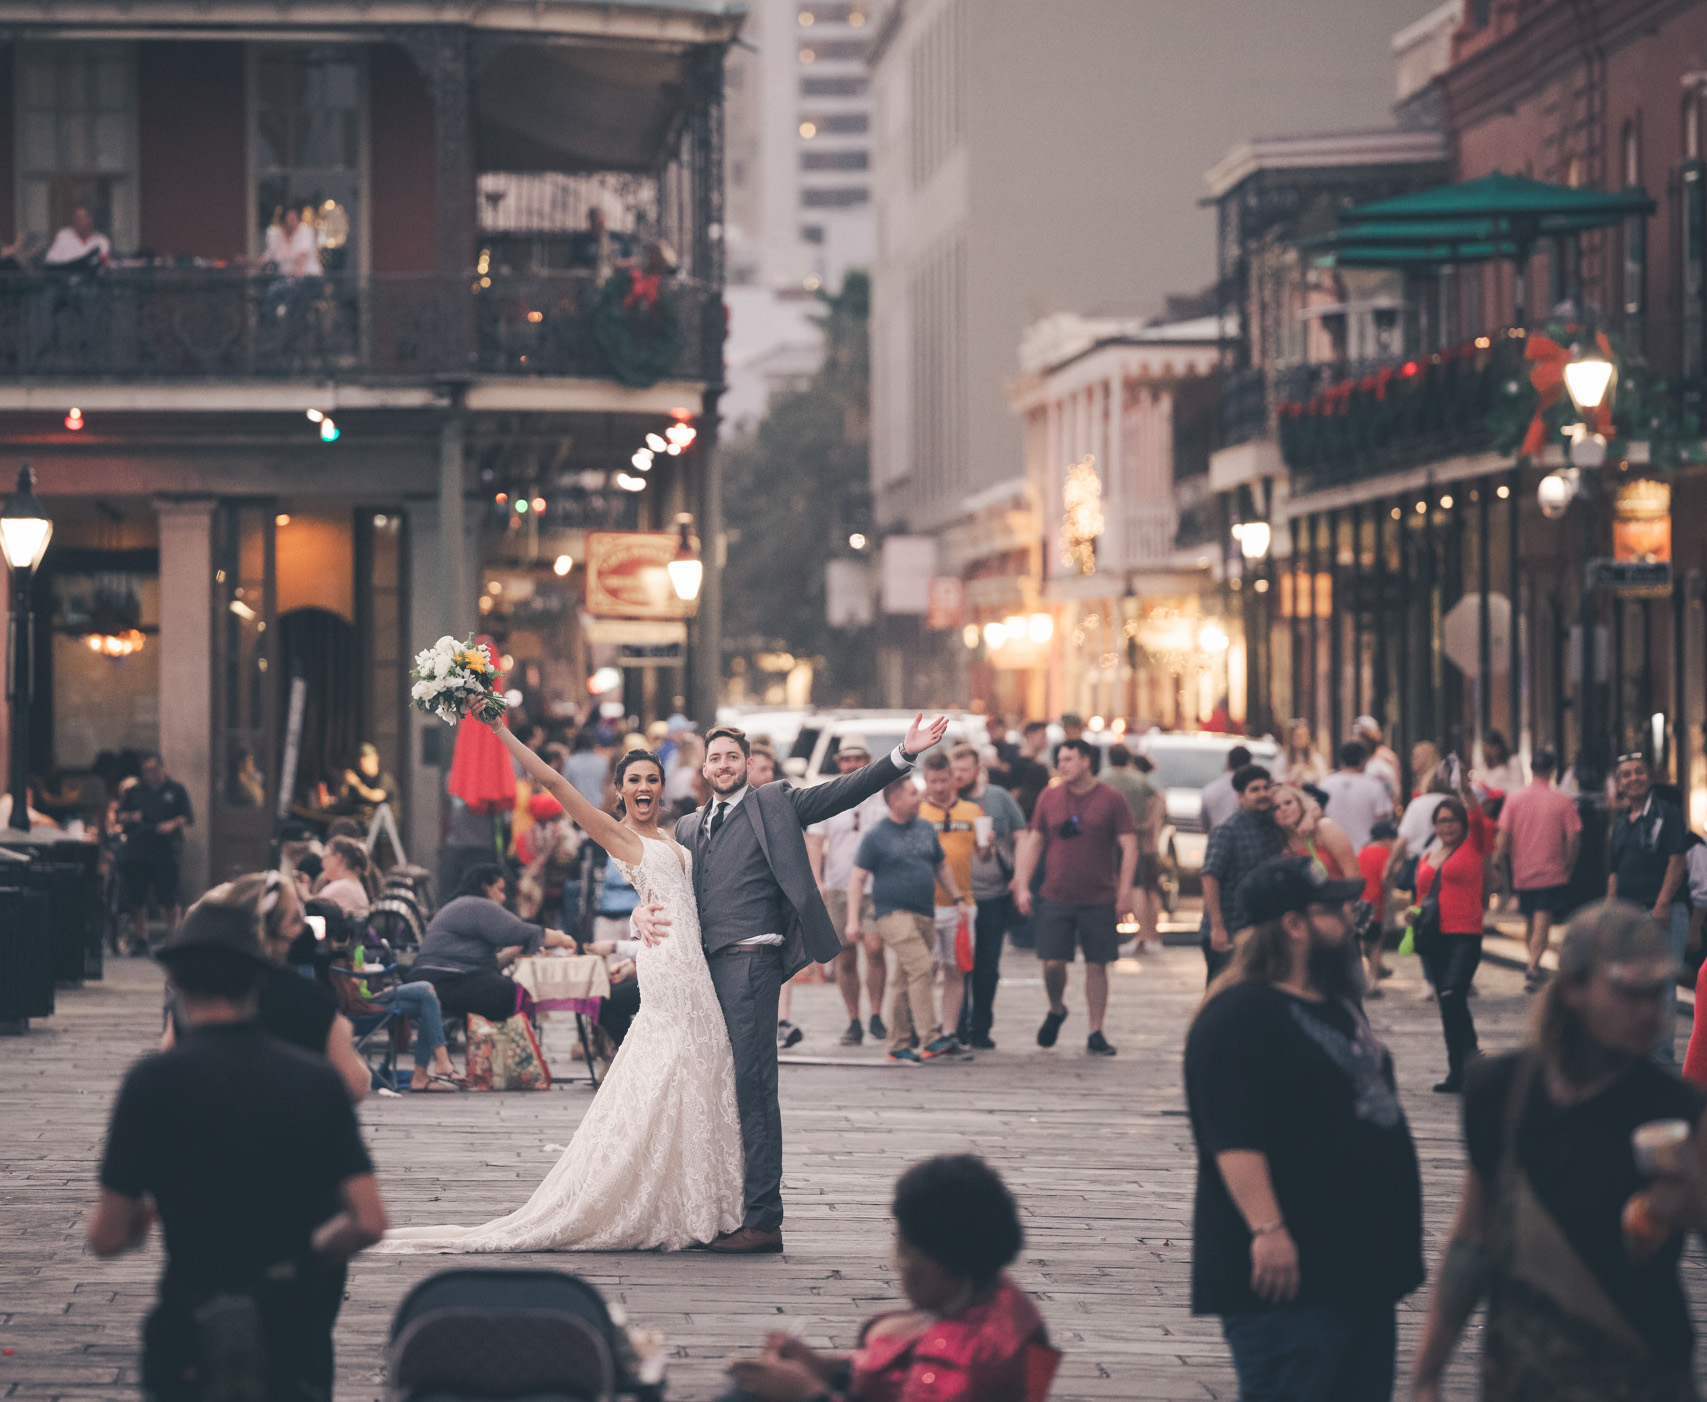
(1083, 833)
(1576, 1309)
(1649, 841)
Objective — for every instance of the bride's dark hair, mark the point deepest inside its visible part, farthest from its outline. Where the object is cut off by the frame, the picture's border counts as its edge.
(633, 757)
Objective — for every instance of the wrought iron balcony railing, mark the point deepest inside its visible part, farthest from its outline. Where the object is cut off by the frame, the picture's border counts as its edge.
(1341, 423)
(211, 324)
(1244, 405)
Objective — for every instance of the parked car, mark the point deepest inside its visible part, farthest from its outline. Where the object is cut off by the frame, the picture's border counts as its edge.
(1185, 763)
(813, 759)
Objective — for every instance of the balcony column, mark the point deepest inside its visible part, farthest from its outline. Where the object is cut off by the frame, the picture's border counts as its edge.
(456, 606)
(186, 668)
(706, 681)
(430, 740)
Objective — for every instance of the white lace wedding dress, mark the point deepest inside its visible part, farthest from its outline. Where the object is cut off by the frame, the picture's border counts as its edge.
(657, 1161)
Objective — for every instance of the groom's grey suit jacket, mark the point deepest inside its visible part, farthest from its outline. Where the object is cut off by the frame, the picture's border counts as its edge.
(754, 877)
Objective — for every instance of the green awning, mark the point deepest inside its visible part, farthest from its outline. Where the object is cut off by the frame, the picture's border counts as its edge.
(1475, 221)
(1514, 201)
(1352, 254)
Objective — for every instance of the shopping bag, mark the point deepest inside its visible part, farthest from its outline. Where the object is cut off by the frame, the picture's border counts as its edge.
(963, 958)
(505, 1055)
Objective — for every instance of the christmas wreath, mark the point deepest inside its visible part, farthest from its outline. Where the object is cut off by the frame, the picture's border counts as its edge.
(635, 328)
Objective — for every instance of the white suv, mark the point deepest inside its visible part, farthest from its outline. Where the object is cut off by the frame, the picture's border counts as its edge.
(813, 759)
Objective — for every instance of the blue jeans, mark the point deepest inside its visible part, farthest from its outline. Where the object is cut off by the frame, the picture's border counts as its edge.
(420, 1004)
(1676, 932)
(1313, 1353)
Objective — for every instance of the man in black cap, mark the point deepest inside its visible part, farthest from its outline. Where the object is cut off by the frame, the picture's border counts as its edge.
(248, 1152)
(1308, 1217)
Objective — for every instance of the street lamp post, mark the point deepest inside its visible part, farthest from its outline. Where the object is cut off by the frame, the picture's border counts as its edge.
(1255, 538)
(1591, 381)
(24, 533)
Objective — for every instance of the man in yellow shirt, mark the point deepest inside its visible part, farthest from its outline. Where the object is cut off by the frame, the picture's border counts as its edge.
(956, 822)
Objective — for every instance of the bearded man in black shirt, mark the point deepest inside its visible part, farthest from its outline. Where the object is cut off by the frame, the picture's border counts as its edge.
(248, 1153)
(1308, 1217)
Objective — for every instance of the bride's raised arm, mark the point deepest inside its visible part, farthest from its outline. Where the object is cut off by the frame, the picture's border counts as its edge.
(616, 838)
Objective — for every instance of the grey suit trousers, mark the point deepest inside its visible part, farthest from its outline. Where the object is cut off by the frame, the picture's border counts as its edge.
(748, 984)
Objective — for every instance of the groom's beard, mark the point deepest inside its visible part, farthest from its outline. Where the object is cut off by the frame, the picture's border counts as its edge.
(734, 786)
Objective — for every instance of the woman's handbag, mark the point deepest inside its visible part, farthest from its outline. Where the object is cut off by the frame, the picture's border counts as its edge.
(1425, 936)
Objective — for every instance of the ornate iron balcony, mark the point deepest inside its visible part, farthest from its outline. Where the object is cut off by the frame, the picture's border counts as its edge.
(176, 324)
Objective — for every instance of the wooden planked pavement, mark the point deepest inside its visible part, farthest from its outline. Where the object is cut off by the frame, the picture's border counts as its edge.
(1097, 1151)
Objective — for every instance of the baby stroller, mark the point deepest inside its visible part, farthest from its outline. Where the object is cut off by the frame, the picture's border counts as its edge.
(538, 1335)
(400, 915)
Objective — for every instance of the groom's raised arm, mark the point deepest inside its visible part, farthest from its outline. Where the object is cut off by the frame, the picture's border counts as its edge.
(826, 800)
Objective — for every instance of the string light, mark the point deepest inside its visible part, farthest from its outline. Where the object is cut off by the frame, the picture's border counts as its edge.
(74, 420)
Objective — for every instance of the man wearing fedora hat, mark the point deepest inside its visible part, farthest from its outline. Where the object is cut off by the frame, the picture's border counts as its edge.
(248, 1153)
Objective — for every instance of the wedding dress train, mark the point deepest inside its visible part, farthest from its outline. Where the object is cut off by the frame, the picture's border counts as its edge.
(657, 1160)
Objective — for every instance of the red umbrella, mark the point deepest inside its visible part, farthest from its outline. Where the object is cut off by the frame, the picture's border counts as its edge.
(481, 773)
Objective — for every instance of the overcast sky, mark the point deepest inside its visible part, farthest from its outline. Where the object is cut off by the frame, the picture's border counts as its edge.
(1179, 82)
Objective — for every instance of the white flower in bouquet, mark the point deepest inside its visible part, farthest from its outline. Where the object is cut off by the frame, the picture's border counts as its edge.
(452, 680)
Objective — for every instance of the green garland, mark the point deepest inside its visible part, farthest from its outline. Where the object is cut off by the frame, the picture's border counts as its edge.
(640, 343)
(1644, 407)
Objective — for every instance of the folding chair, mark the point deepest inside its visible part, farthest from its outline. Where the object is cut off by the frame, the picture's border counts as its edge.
(375, 1032)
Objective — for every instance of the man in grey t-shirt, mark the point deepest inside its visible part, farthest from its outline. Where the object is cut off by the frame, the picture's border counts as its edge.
(1355, 801)
(903, 858)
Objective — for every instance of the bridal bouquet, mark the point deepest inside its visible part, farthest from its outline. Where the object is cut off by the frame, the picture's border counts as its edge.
(453, 680)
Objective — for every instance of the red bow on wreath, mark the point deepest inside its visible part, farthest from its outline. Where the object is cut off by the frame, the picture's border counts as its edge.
(642, 291)
(1547, 374)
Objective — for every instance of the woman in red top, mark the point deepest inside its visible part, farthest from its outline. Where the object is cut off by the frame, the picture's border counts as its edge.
(1457, 864)
(972, 1334)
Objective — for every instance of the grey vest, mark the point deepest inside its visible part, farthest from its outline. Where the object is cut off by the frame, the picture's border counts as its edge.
(744, 896)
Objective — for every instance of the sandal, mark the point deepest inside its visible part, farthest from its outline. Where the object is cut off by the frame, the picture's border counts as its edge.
(445, 1082)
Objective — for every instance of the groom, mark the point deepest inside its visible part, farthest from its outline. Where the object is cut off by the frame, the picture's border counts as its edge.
(762, 921)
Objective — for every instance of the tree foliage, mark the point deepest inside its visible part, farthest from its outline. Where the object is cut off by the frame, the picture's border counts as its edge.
(795, 488)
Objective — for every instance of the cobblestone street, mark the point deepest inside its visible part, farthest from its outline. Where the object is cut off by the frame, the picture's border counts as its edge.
(1098, 1153)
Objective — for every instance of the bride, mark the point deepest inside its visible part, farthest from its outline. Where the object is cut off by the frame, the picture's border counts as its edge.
(657, 1160)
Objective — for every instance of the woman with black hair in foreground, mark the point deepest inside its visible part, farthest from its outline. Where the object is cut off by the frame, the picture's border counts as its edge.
(971, 1335)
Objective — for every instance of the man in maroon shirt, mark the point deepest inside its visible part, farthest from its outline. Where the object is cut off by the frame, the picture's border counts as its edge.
(1082, 830)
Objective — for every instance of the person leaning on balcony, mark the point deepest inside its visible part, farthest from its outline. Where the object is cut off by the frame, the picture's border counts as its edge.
(291, 246)
(78, 247)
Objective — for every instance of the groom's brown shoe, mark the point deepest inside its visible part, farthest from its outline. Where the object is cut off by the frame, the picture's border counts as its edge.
(748, 1241)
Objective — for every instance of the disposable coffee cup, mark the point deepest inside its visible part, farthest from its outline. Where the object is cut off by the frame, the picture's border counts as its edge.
(984, 829)
(1659, 1144)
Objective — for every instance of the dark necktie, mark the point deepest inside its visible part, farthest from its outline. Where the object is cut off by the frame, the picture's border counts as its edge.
(717, 815)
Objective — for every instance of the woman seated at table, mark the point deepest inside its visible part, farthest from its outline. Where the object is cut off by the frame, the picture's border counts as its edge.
(468, 942)
(972, 1334)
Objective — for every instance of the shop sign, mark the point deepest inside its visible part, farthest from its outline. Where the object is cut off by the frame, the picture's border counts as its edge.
(1631, 579)
(1641, 520)
(631, 631)
(947, 603)
(628, 575)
